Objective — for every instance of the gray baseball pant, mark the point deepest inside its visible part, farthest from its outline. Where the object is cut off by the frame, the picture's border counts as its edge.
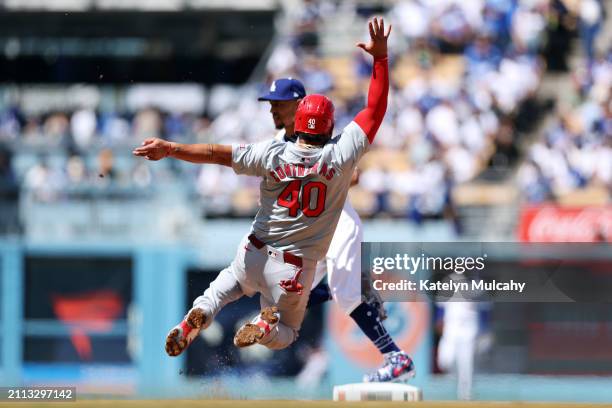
(261, 270)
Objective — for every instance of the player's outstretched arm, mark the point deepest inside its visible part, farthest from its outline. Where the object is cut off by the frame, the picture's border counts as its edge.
(157, 149)
(371, 117)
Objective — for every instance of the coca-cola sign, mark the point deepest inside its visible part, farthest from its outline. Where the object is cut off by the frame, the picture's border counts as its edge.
(560, 224)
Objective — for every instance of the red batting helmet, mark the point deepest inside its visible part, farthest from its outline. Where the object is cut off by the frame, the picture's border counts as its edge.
(314, 115)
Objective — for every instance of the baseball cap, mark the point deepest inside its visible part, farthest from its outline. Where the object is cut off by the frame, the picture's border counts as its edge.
(284, 89)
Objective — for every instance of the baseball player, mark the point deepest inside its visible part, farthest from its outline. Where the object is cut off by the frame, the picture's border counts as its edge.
(342, 263)
(457, 347)
(303, 189)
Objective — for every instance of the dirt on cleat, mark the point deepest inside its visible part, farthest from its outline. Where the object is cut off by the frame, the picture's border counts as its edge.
(270, 314)
(172, 346)
(196, 318)
(251, 333)
(182, 335)
(248, 335)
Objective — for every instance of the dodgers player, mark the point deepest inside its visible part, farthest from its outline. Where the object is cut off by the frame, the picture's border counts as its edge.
(303, 189)
(458, 343)
(342, 263)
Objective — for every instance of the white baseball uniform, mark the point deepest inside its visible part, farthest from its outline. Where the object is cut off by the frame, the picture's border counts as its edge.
(458, 343)
(342, 264)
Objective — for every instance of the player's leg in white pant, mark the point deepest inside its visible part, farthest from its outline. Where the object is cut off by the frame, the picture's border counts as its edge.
(291, 306)
(457, 345)
(223, 290)
(344, 278)
(232, 283)
(465, 366)
(285, 332)
(343, 261)
(446, 352)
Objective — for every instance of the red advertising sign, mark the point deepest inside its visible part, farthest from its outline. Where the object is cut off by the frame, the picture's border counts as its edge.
(561, 224)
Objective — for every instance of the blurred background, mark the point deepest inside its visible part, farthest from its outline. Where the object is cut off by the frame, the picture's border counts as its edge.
(499, 128)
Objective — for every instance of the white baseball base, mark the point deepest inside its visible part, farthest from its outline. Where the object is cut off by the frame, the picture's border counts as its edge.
(377, 392)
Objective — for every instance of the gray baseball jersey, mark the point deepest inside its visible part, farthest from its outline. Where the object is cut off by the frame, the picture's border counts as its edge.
(303, 190)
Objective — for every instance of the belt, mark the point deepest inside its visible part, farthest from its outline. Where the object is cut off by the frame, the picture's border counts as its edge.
(287, 257)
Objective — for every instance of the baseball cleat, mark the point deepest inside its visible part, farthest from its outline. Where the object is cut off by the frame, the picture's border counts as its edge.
(262, 324)
(398, 366)
(183, 334)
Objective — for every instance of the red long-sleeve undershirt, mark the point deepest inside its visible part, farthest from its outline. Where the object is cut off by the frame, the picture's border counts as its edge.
(370, 118)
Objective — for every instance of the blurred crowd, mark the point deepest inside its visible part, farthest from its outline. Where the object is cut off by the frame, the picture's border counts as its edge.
(463, 76)
(462, 72)
(63, 154)
(79, 129)
(576, 150)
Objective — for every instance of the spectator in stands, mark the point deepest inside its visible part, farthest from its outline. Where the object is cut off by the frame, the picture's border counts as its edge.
(199, 129)
(375, 180)
(482, 56)
(314, 76)
(433, 191)
(306, 25)
(147, 123)
(282, 62)
(43, 182)
(451, 27)
(535, 185)
(496, 19)
(141, 176)
(443, 124)
(11, 123)
(177, 126)
(590, 14)
(527, 27)
(413, 19)
(114, 128)
(460, 108)
(216, 186)
(56, 128)
(9, 194)
(576, 152)
(107, 173)
(7, 177)
(83, 125)
(76, 171)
